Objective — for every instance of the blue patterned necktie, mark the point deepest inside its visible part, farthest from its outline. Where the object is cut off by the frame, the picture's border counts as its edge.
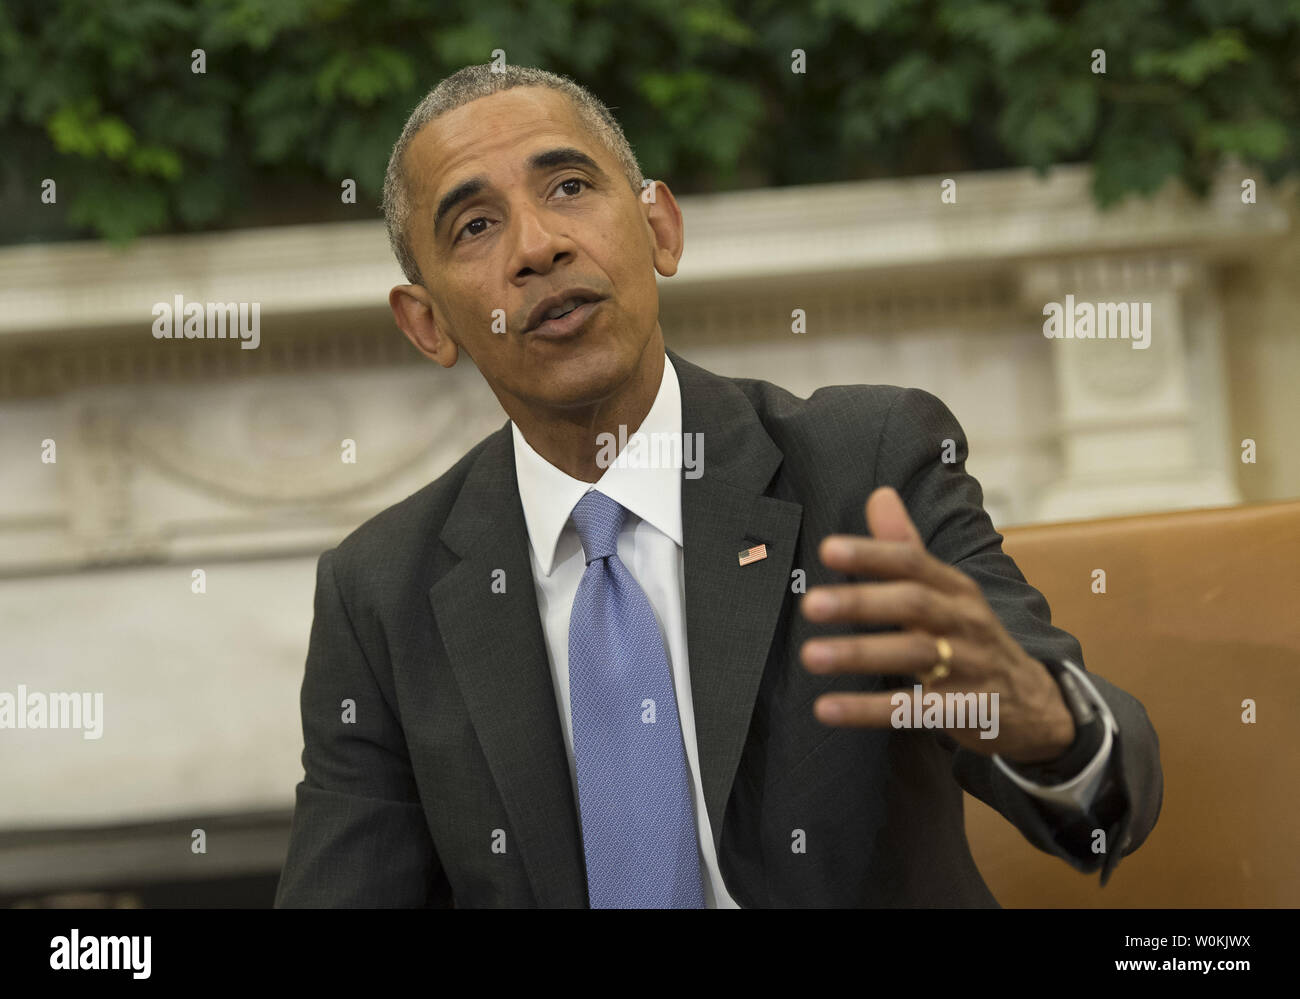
(638, 828)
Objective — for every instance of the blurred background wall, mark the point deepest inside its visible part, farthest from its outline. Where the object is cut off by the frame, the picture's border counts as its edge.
(935, 175)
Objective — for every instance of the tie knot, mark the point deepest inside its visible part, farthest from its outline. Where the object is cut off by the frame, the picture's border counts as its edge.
(598, 520)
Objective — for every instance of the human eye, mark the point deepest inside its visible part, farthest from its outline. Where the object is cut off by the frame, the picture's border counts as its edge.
(471, 222)
(573, 180)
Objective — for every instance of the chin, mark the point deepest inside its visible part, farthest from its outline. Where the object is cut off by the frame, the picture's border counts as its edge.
(586, 376)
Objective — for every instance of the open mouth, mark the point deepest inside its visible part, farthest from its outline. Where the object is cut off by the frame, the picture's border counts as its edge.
(565, 309)
(566, 316)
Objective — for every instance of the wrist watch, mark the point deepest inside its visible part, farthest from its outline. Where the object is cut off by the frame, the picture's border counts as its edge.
(1089, 732)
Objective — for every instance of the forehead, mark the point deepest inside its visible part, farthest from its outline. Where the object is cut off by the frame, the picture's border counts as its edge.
(481, 137)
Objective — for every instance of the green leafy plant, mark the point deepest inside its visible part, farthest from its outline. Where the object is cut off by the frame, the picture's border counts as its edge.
(299, 95)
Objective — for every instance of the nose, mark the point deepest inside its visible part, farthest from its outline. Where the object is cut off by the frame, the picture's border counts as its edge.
(539, 246)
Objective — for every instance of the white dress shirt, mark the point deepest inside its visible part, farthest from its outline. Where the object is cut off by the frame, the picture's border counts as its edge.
(650, 546)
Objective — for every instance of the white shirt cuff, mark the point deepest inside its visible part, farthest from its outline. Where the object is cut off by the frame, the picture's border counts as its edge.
(1077, 793)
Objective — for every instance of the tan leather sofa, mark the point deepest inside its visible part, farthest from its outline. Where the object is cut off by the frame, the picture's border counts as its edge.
(1201, 612)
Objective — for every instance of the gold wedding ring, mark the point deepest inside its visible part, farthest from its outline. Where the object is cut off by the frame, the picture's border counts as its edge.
(944, 666)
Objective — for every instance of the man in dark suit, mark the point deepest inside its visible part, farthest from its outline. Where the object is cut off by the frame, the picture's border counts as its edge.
(475, 727)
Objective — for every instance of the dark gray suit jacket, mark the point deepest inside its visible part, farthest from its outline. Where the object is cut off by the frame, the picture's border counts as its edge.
(452, 787)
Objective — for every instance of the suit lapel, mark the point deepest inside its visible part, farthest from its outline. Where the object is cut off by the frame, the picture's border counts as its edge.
(731, 610)
(498, 655)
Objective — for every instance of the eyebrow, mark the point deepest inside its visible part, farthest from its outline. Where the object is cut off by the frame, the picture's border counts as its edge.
(548, 159)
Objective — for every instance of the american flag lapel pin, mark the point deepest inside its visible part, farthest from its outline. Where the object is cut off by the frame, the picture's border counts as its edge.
(755, 554)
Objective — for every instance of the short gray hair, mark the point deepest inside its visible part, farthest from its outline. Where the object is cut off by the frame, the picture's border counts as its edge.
(467, 85)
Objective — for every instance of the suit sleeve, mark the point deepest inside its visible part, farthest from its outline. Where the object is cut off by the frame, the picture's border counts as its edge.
(946, 504)
(359, 837)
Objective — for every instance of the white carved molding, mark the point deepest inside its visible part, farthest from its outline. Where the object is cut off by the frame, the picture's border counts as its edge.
(750, 237)
(172, 450)
(249, 468)
(1135, 435)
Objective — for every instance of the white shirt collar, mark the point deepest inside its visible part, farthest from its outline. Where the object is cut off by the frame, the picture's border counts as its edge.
(653, 494)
